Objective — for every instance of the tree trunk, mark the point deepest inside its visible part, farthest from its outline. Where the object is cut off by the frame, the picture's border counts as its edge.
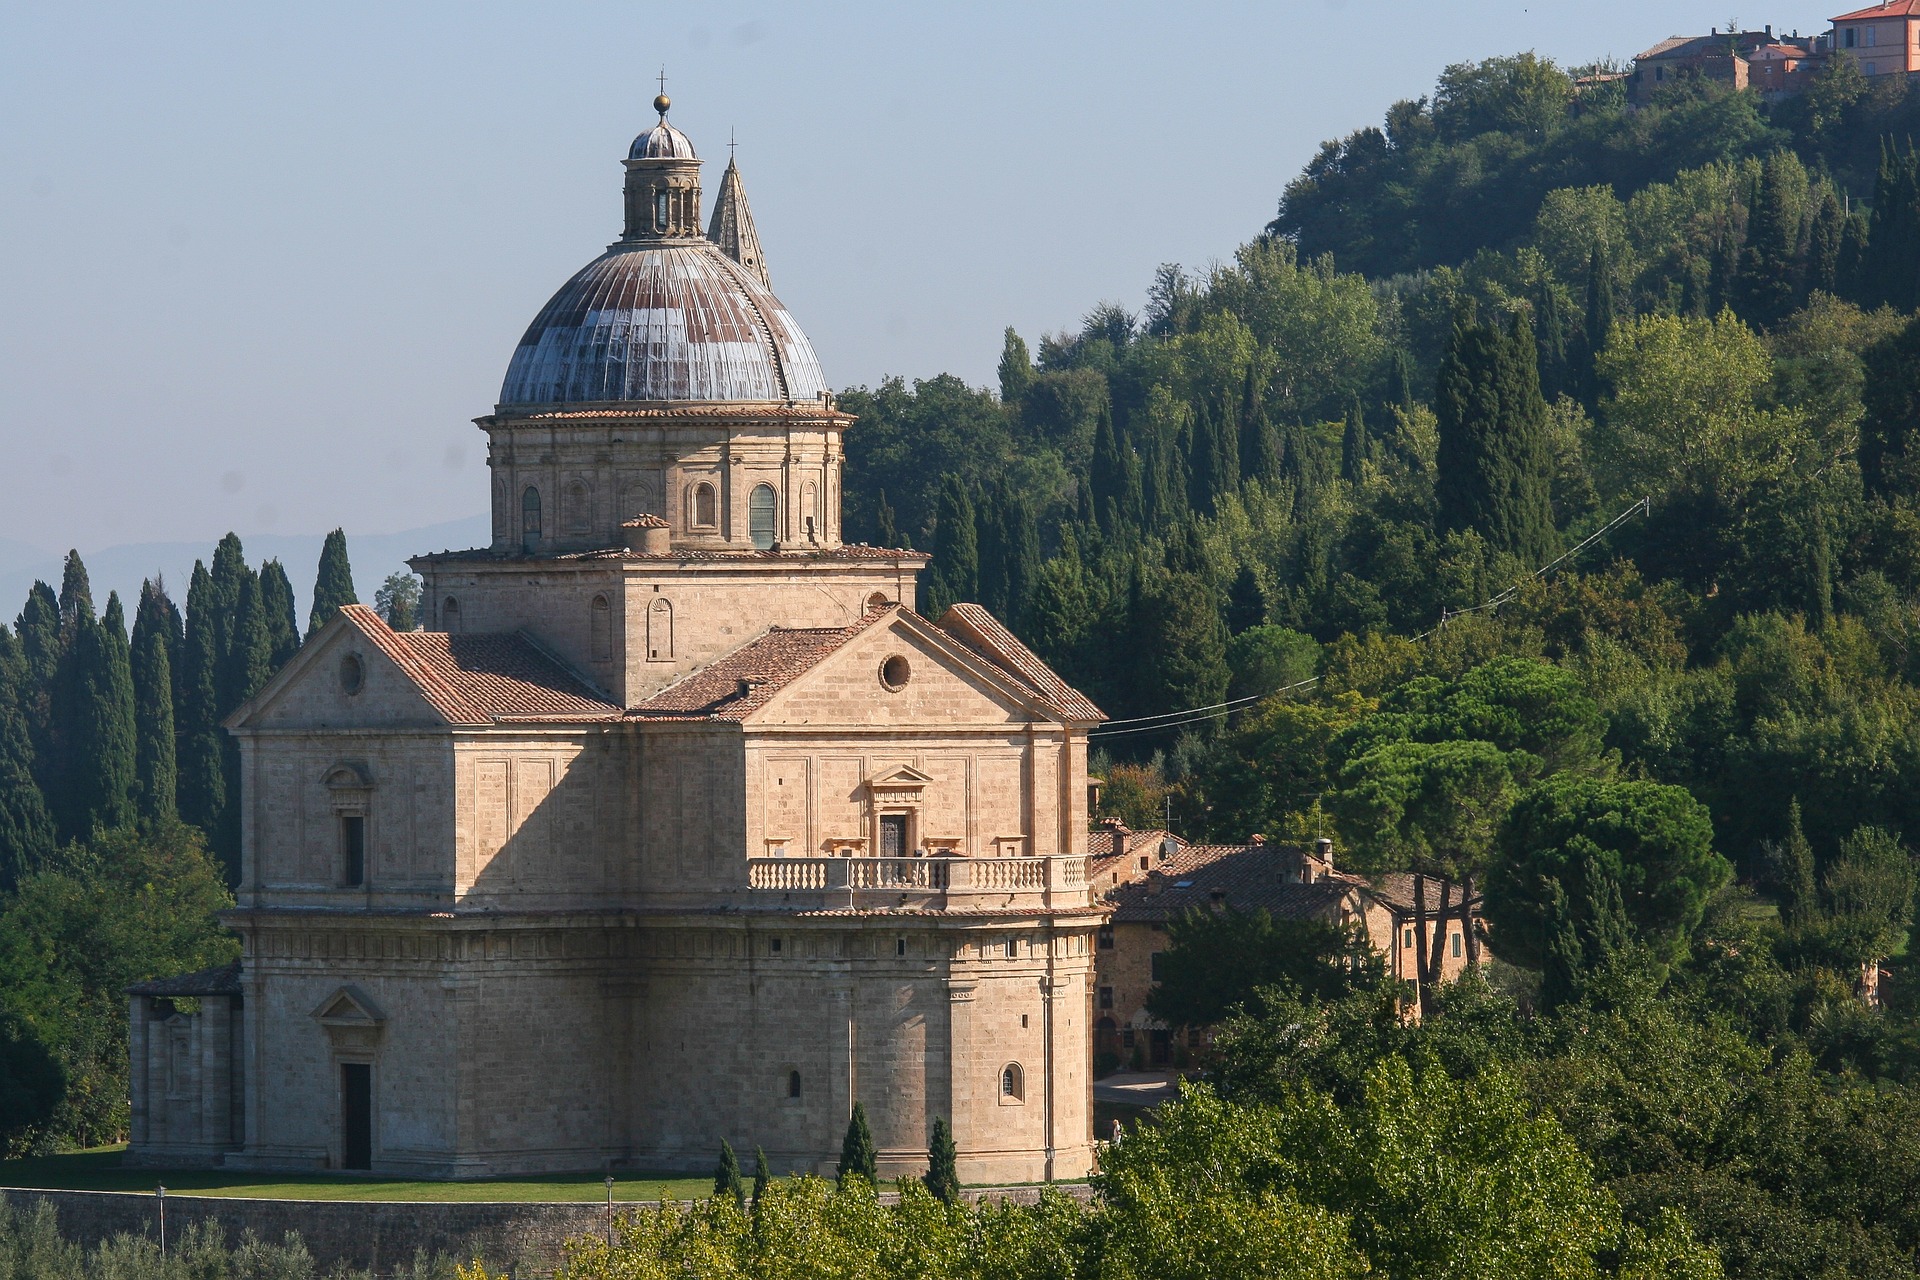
(1422, 967)
(1436, 964)
(1467, 923)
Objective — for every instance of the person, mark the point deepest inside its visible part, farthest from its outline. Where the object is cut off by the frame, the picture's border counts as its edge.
(1118, 1132)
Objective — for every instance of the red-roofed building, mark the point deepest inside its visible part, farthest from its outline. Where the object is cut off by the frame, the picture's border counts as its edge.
(1884, 39)
(1760, 60)
(675, 825)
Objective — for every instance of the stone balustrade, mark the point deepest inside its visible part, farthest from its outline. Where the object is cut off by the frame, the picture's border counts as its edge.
(926, 883)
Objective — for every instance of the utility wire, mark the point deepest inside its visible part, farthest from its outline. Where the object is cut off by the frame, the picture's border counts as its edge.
(1195, 715)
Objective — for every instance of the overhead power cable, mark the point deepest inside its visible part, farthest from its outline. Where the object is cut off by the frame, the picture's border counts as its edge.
(1195, 715)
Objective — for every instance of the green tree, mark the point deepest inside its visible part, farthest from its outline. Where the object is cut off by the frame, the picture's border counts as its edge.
(762, 1176)
(726, 1177)
(31, 1081)
(1495, 467)
(96, 719)
(203, 785)
(398, 601)
(283, 623)
(156, 776)
(333, 586)
(1799, 879)
(858, 1156)
(1866, 898)
(955, 575)
(76, 595)
(1266, 659)
(26, 825)
(1654, 841)
(1219, 964)
(1016, 369)
(1770, 263)
(1115, 481)
(1180, 658)
(1890, 394)
(943, 1170)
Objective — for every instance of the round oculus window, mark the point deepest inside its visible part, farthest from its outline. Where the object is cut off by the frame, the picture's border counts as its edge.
(352, 674)
(895, 672)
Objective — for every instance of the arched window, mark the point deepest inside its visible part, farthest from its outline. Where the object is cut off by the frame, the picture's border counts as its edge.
(530, 517)
(579, 509)
(660, 631)
(761, 517)
(877, 600)
(602, 628)
(502, 512)
(1013, 1084)
(450, 616)
(793, 1084)
(701, 507)
(662, 207)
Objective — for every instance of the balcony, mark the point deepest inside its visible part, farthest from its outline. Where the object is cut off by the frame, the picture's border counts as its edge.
(927, 884)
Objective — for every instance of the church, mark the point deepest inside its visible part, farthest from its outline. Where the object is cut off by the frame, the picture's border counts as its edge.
(674, 824)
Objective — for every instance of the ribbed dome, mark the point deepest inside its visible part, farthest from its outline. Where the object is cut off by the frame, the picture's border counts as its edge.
(662, 142)
(662, 322)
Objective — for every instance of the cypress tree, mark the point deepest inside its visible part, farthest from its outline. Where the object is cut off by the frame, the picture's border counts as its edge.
(1550, 339)
(76, 595)
(956, 549)
(1247, 605)
(1400, 393)
(155, 772)
(202, 785)
(1597, 324)
(1180, 642)
(762, 1176)
(989, 538)
(283, 623)
(943, 1166)
(246, 666)
(1226, 455)
(1768, 263)
(1890, 397)
(1059, 607)
(26, 824)
(38, 629)
(1890, 260)
(1495, 465)
(333, 586)
(1260, 451)
(1203, 466)
(1114, 477)
(1356, 448)
(97, 726)
(858, 1156)
(726, 1178)
(1824, 240)
(885, 530)
(1016, 369)
(1020, 540)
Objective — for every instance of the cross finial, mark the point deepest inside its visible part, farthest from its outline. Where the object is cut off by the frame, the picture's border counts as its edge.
(731, 144)
(662, 102)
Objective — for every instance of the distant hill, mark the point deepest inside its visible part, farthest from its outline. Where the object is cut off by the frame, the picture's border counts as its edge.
(121, 568)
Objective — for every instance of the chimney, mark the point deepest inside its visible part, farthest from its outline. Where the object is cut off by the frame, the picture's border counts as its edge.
(1156, 883)
(647, 534)
(1119, 831)
(1217, 899)
(1323, 850)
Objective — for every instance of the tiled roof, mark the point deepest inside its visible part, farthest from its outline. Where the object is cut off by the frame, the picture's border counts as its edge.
(223, 980)
(1897, 9)
(1717, 45)
(1100, 841)
(739, 684)
(815, 555)
(983, 633)
(1252, 878)
(1396, 890)
(481, 679)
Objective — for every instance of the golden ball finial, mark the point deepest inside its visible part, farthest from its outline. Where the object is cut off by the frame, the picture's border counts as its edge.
(661, 104)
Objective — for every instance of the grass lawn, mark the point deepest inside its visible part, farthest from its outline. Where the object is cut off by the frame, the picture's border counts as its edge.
(99, 1170)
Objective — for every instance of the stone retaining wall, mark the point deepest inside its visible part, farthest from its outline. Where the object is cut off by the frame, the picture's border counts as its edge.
(522, 1238)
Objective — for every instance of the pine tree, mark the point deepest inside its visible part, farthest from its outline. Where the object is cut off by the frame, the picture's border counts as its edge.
(333, 586)
(155, 772)
(726, 1178)
(76, 595)
(202, 785)
(1016, 369)
(26, 824)
(762, 1176)
(283, 622)
(1769, 263)
(858, 1157)
(943, 1166)
(956, 549)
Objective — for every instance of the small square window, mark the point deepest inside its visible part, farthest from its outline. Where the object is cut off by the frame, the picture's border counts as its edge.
(1013, 948)
(900, 947)
(773, 946)
(1126, 1038)
(1106, 937)
(1409, 939)
(1023, 1021)
(1106, 997)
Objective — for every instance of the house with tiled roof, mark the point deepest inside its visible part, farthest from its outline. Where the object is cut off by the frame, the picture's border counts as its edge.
(1760, 60)
(1883, 39)
(675, 824)
(1286, 881)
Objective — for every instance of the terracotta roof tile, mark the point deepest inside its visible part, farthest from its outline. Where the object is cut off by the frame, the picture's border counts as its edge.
(1897, 9)
(736, 686)
(1251, 878)
(983, 633)
(481, 679)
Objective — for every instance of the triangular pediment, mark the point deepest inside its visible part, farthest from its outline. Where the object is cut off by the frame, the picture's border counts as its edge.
(899, 778)
(349, 1007)
(345, 674)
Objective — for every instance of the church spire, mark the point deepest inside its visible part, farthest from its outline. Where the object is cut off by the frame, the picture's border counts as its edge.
(732, 226)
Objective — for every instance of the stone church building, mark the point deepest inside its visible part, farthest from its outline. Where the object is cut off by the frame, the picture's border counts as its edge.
(676, 823)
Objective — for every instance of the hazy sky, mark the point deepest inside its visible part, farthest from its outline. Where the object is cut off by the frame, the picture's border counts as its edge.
(261, 264)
